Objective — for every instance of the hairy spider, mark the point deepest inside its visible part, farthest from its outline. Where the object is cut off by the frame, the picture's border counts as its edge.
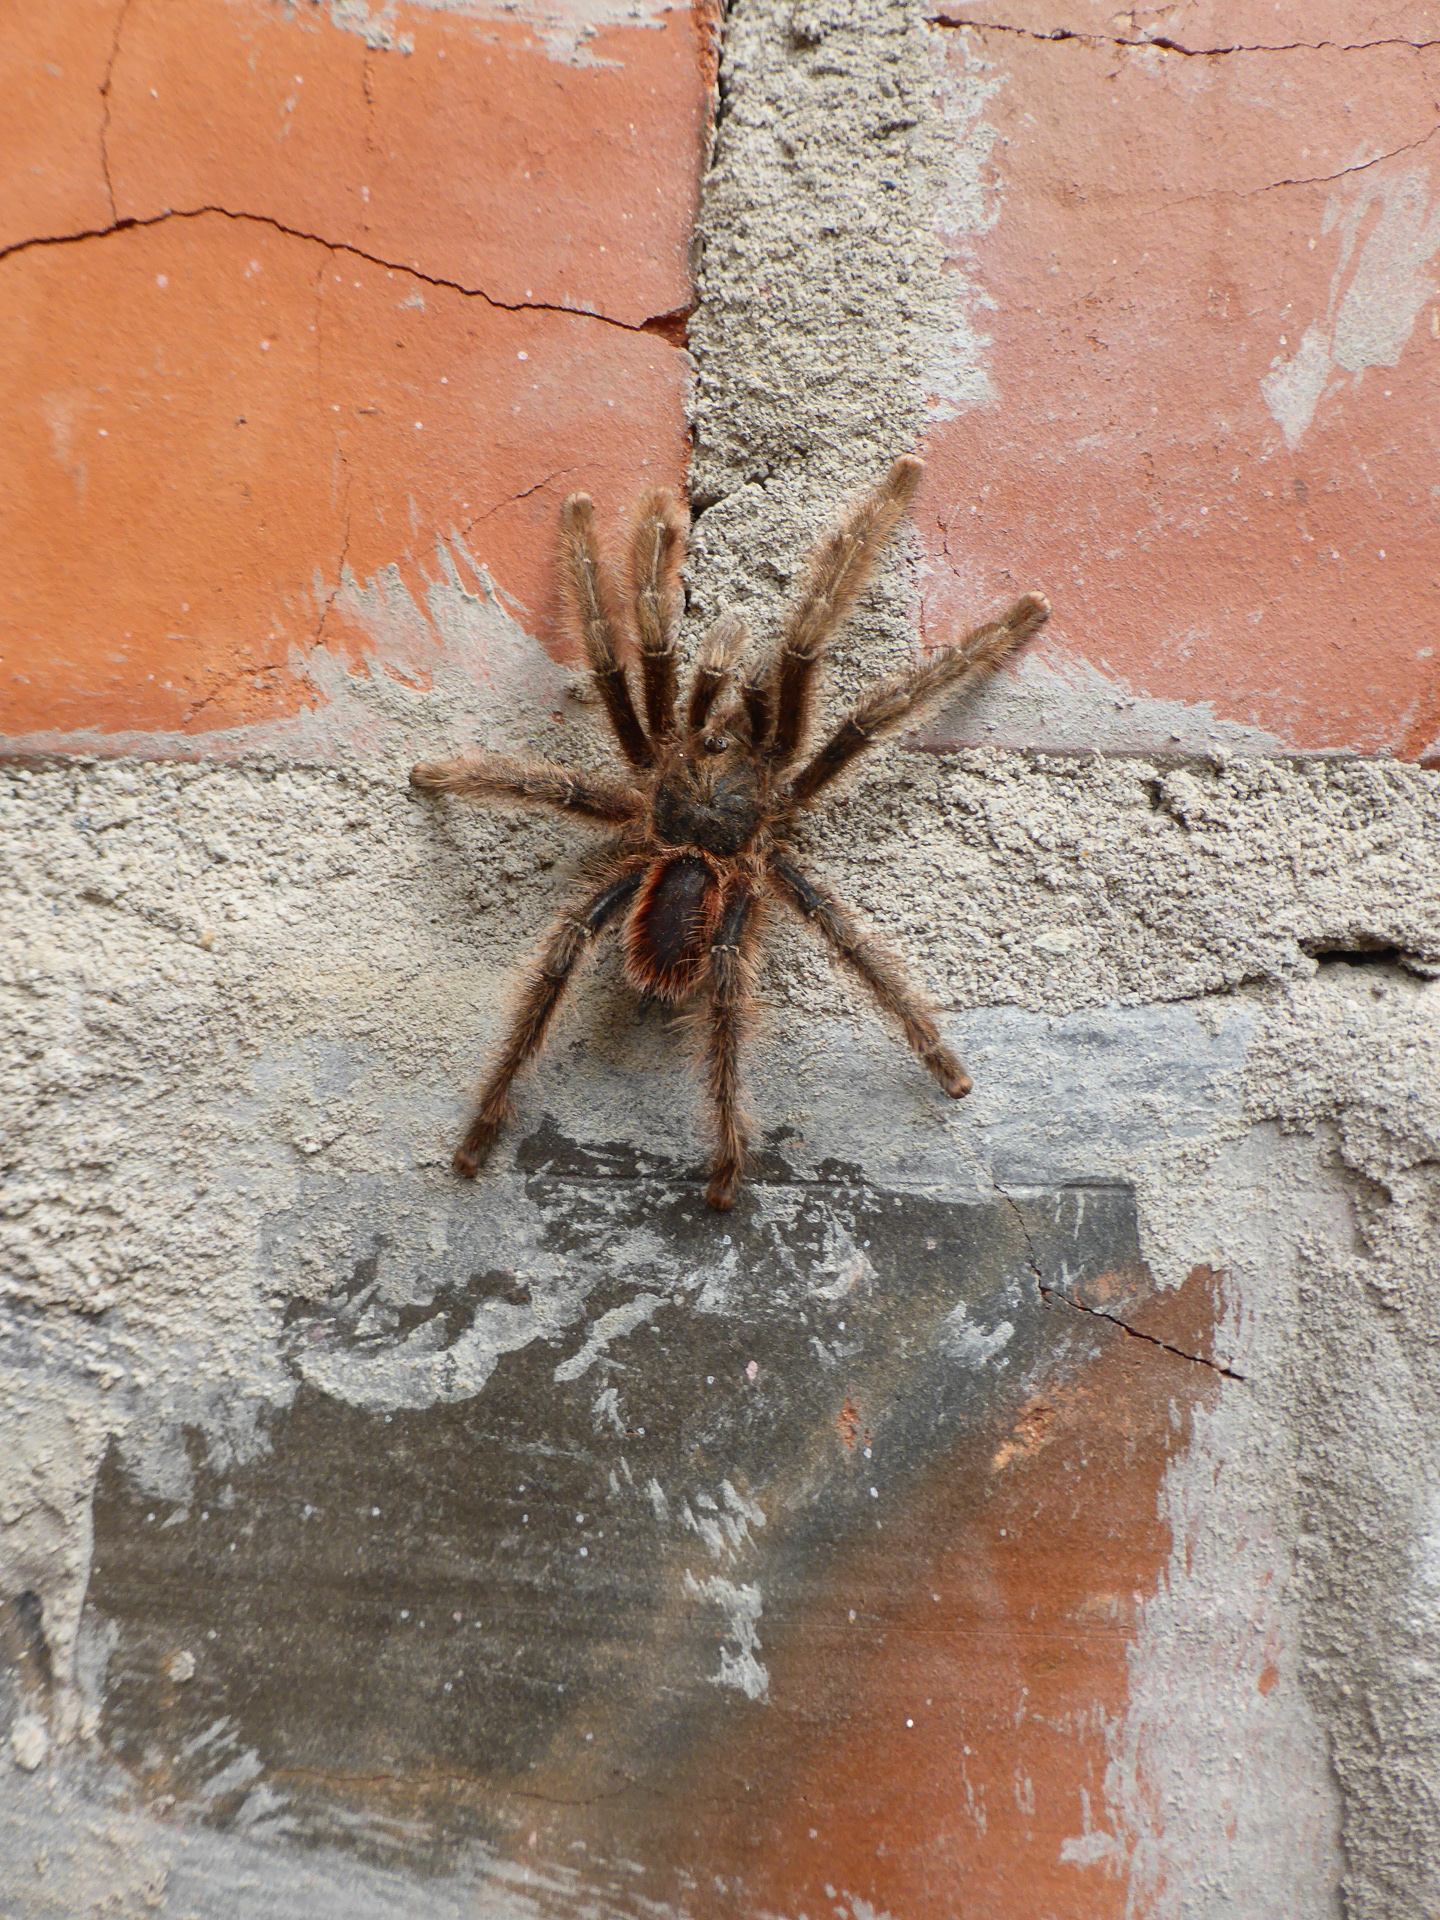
(703, 821)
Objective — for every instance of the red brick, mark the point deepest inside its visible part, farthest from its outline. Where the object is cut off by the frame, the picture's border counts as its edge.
(476, 157)
(1174, 240)
(209, 410)
(997, 1613)
(215, 414)
(53, 63)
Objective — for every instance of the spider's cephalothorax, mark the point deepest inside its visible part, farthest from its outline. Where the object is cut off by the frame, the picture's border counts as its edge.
(701, 825)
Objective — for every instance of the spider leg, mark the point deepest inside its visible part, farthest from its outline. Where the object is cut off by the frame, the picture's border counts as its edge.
(726, 640)
(657, 552)
(838, 569)
(887, 706)
(728, 1017)
(879, 969)
(759, 711)
(491, 776)
(591, 606)
(570, 940)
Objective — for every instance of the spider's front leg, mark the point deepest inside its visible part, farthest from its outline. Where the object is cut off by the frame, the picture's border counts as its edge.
(731, 1000)
(835, 575)
(493, 776)
(657, 553)
(570, 940)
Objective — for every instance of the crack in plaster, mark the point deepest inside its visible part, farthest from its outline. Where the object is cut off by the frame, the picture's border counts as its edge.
(1151, 1339)
(1165, 45)
(341, 463)
(660, 324)
(344, 553)
(1047, 1294)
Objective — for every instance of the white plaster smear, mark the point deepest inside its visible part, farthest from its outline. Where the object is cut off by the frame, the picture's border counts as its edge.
(1377, 293)
(563, 27)
(973, 1346)
(724, 1524)
(741, 1606)
(610, 1326)
(1216, 1716)
(1069, 704)
(955, 377)
(490, 678)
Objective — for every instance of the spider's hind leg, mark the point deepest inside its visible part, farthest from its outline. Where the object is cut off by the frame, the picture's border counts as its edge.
(728, 1018)
(570, 940)
(880, 971)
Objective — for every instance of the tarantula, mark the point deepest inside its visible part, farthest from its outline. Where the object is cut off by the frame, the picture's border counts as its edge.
(702, 823)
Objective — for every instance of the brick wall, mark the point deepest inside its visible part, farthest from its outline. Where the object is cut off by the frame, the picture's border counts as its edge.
(1019, 1506)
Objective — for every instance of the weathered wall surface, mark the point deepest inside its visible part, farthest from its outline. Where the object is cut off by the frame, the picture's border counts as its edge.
(1025, 1506)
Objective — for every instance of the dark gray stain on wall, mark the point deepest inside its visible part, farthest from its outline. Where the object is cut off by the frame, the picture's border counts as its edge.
(402, 1630)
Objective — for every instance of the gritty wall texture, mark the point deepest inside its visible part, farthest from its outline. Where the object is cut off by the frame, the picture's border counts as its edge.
(1038, 1493)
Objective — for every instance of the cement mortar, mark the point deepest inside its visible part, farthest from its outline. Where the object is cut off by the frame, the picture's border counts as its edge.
(822, 296)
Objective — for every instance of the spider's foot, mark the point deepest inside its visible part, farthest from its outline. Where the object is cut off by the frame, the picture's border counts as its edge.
(1031, 610)
(426, 775)
(466, 1162)
(724, 1188)
(949, 1072)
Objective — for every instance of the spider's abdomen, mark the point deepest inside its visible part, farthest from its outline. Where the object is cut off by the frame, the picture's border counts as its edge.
(671, 928)
(719, 813)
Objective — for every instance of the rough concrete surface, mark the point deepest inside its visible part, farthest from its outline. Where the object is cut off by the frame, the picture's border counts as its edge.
(1124, 1367)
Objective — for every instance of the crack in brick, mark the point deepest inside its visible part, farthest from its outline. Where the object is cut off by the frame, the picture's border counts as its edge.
(1097, 1313)
(660, 325)
(1151, 1339)
(105, 115)
(1060, 34)
(1304, 180)
(344, 552)
(479, 519)
(230, 680)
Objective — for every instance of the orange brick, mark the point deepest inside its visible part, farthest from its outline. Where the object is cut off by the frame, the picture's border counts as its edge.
(53, 64)
(212, 411)
(1214, 350)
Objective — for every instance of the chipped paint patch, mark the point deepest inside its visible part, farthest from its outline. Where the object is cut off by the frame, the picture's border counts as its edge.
(564, 28)
(742, 1607)
(1377, 292)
